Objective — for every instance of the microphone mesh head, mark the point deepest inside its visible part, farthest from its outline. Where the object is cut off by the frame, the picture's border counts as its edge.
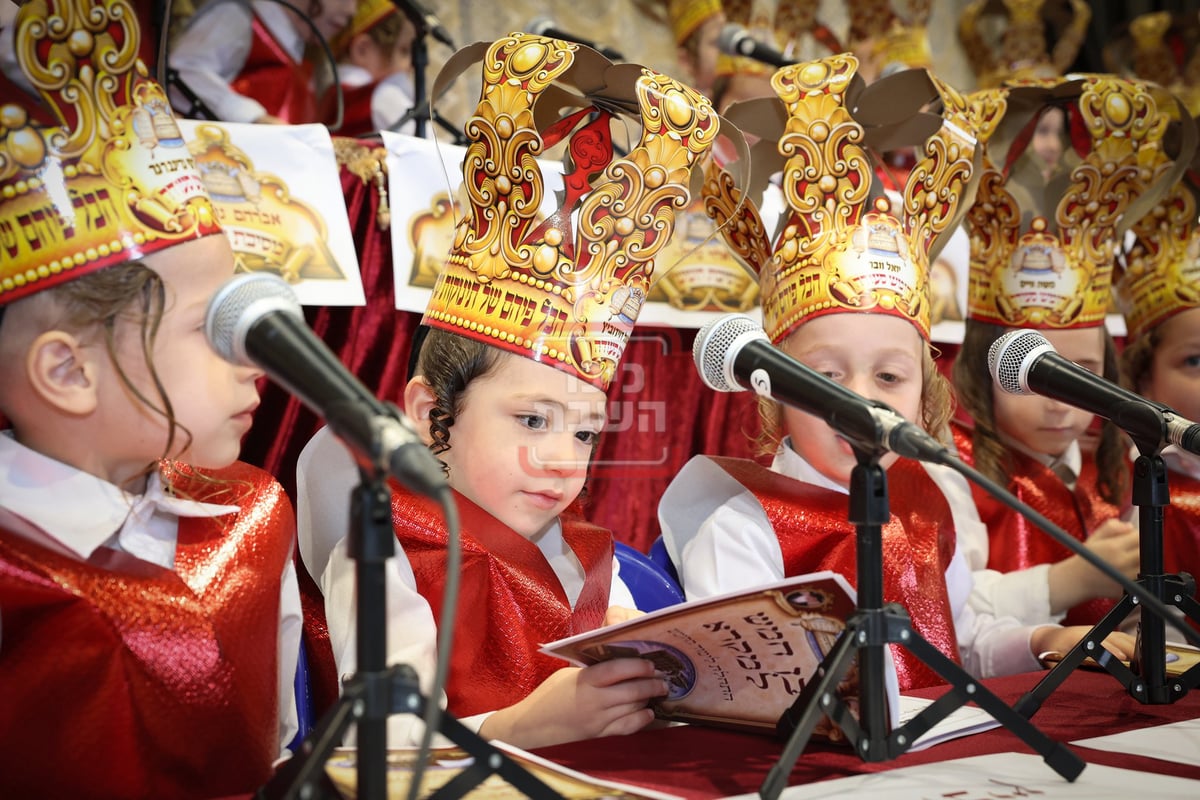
(240, 303)
(716, 346)
(729, 39)
(1010, 357)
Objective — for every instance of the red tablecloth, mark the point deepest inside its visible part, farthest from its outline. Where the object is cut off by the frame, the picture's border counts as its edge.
(698, 762)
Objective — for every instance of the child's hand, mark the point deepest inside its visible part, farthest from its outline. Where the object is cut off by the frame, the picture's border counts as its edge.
(1059, 640)
(1073, 580)
(575, 703)
(617, 614)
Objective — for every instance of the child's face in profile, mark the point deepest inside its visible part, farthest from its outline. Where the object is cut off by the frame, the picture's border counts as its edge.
(329, 17)
(521, 443)
(1046, 426)
(1174, 375)
(211, 398)
(876, 355)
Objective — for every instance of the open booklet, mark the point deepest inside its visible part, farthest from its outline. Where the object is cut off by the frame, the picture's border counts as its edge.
(737, 660)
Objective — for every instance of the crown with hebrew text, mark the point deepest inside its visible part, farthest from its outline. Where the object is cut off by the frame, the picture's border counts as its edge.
(1157, 274)
(565, 288)
(1042, 250)
(1017, 39)
(1161, 48)
(842, 244)
(114, 180)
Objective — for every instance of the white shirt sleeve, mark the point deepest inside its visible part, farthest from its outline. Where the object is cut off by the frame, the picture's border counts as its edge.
(209, 53)
(1023, 594)
(291, 629)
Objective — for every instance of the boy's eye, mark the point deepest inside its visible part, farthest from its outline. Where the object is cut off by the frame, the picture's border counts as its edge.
(889, 377)
(535, 422)
(587, 437)
(1192, 361)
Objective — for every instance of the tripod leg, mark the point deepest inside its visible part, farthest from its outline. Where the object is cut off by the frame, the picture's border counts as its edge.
(803, 715)
(968, 690)
(1089, 645)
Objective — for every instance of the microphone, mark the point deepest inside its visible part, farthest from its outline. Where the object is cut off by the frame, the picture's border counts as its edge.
(1024, 362)
(544, 26)
(733, 353)
(255, 319)
(426, 21)
(734, 40)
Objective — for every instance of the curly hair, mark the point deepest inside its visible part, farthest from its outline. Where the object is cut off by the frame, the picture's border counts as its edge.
(937, 407)
(973, 382)
(448, 363)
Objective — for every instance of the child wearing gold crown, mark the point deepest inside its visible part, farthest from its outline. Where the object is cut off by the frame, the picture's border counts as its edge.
(1158, 291)
(375, 70)
(246, 62)
(845, 292)
(528, 321)
(149, 615)
(1042, 257)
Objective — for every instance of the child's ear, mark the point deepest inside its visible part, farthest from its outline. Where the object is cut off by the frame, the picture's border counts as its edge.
(419, 401)
(63, 373)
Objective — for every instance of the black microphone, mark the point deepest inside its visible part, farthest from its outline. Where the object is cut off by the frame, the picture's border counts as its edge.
(426, 21)
(1024, 362)
(255, 319)
(734, 40)
(733, 353)
(544, 26)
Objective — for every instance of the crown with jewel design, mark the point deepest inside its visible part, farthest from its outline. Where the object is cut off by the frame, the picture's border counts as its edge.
(565, 289)
(1006, 39)
(114, 181)
(367, 14)
(1042, 252)
(1161, 48)
(1158, 273)
(842, 245)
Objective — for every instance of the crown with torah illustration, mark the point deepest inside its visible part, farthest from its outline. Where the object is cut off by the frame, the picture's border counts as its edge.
(565, 288)
(1006, 39)
(842, 245)
(114, 180)
(1042, 253)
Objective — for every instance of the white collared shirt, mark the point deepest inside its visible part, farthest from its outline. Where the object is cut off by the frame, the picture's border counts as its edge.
(33, 488)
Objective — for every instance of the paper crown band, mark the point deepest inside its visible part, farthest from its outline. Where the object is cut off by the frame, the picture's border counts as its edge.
(1042, 253)
(567, 289)
(841, 245)
(115, 181)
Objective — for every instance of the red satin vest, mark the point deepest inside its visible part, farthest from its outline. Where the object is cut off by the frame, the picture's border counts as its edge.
(270, 76)
(124, 679)
(356, 109)
(815, 533)
(1016, 543)
(510, 603)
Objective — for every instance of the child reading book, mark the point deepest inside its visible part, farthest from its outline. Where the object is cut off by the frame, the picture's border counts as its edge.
(528, 321)
(149, 616)
(845, 292)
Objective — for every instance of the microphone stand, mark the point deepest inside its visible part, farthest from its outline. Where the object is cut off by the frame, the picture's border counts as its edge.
(873, 626)
(1147, 680)
(422, 105)
(377, 690)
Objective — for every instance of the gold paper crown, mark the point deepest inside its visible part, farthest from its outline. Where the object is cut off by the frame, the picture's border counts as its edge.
(1161, 48)
(784, 25)
(115, 181)
(1158, 275)
(686, 16)
(889, 39)
(1048, 263)
(367, 14)
(565, 290)
(1017, 47)
(840, 246)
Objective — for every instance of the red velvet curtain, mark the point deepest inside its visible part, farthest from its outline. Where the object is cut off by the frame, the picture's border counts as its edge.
(660, 412)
